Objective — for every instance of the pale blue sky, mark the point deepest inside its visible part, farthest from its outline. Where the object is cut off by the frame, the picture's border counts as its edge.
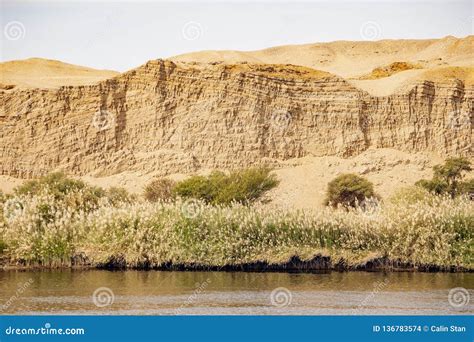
(120, 35)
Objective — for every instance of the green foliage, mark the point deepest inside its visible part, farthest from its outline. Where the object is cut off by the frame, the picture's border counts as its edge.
(435, 186)
(159, 190)
(348, 190)
(452, 169)
(467, 187)
(447, 178)
(57, 183)
(200, 187)
(3, 246)
(244, 186)
(74, 192)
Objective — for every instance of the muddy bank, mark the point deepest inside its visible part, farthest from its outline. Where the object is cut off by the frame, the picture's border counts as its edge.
(319, 263)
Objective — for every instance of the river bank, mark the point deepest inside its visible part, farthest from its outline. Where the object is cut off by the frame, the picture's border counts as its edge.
(318, 264)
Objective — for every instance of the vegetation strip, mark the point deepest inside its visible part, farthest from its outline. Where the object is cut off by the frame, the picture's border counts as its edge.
(60, 222)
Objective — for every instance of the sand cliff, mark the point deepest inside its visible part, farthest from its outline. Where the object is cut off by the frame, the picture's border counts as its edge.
(179, 116)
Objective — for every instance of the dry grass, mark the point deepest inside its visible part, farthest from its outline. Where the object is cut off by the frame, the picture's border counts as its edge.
(43, 230)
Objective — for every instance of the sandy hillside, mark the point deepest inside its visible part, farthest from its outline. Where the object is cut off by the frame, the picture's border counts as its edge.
(45, 73)
(353, 60)
(303, 181)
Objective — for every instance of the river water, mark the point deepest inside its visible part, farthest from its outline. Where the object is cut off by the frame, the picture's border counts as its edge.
(230, 293)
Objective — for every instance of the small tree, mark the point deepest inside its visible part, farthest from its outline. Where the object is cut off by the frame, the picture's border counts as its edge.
(452, 172)
(349, 190)
(447, 178)
(159, 189)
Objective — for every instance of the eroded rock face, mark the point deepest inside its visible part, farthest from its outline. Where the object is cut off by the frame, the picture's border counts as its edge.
(178, 118)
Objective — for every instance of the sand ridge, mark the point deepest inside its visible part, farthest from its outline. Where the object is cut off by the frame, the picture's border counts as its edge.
(353, 60)
(45, 73)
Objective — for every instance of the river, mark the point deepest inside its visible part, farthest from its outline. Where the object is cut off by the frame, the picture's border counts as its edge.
(207, 293)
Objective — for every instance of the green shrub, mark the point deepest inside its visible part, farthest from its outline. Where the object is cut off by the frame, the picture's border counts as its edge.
(436, 186)
(201, 187)
(244, 186)
(447, 178)
(75, 193)
(349, 190)
(57, 183)
(159, 190)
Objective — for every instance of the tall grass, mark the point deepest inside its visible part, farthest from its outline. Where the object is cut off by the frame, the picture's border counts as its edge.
(47, 230)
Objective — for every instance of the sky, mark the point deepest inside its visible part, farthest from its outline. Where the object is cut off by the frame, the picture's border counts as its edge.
(121, 35)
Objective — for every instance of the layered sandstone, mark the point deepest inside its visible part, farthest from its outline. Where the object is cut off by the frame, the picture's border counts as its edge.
(167, 117)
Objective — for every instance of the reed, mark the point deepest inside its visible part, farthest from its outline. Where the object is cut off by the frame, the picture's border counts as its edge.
(43, 229)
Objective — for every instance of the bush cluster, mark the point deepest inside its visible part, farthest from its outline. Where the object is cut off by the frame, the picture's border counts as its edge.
(349, 190)
(244, 186)
(159, 190)
(63, 188)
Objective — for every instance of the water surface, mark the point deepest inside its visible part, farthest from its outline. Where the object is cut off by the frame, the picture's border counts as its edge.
(168, 293)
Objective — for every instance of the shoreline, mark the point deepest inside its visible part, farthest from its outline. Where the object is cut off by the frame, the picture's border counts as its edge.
(318, 264)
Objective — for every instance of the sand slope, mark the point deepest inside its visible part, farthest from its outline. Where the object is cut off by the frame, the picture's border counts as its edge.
(303, 181)
(45, 73)
(352, 60)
